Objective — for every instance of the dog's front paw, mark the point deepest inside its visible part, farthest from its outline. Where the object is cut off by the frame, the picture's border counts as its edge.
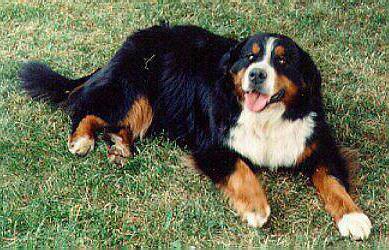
(257, 218)
(356, 225)
(81, 145)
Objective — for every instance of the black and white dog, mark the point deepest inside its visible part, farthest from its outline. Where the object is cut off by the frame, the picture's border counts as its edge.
(233, 104)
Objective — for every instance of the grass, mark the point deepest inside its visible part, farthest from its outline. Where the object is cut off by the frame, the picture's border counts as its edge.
(51, 198)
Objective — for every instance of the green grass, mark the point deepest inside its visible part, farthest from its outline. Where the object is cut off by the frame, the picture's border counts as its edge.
(50, 197)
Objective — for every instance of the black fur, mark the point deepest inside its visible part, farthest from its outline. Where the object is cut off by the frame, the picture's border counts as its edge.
(40, 82)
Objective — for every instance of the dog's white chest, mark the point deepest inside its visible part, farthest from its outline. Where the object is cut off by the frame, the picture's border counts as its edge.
(268, 140)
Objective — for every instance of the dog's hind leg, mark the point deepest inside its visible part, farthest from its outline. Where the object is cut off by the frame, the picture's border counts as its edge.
(120, 150)
(82, 140)
(134, 125)
(139, 117)
(117, 94)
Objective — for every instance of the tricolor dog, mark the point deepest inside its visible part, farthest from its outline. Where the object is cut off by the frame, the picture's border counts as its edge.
(235, 105)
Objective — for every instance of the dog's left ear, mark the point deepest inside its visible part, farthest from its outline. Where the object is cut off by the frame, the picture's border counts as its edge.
(311, 74)
(229, 58)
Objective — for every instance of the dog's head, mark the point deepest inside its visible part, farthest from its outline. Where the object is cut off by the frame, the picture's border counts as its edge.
(271, 68)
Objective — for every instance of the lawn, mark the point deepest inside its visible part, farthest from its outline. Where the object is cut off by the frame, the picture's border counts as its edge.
(50, 197)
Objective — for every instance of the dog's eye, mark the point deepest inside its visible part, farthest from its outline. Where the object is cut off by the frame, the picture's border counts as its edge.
(251, 57)
(282, 60)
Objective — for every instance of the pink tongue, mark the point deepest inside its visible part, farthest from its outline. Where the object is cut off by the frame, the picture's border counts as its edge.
(255, 101)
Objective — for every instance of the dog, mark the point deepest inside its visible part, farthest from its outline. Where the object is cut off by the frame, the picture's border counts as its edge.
(233, 104)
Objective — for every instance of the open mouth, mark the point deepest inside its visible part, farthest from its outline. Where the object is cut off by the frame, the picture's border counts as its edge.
(256, 101)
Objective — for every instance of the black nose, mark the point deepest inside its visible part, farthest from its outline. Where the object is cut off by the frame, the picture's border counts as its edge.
(257, 76)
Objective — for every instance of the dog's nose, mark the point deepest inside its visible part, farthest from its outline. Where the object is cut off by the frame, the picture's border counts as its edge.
(257, 76)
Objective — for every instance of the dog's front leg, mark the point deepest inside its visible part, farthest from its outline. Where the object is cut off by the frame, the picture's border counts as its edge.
(350, 219)
(238, 182)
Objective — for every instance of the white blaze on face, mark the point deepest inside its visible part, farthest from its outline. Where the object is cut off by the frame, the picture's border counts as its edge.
(264, 64)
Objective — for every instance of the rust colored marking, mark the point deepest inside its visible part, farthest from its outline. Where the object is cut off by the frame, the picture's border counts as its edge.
(123, 136)
(279, 51)
(88, 126)
(244, 190)
(255, 49)
(237, 79)
(336, 199)
(139, 117)
(291, 89)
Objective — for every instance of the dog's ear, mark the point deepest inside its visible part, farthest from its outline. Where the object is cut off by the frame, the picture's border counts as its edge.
(311, 74)
(230, 57)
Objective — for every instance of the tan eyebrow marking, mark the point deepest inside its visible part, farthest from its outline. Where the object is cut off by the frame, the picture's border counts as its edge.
(279, 50)
(255, 49)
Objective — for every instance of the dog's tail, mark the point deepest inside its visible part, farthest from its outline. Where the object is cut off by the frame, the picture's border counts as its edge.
(42, 83)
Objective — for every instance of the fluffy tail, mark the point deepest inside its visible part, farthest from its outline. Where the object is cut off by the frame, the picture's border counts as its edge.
(42, 83)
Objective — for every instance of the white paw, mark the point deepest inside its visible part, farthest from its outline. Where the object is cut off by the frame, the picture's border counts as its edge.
(81, 145)
(356, 225)
(256, 219)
